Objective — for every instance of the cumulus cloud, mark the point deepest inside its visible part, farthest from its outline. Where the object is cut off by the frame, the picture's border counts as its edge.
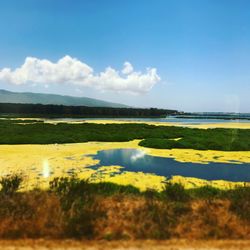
(127, 68)
(68, 70)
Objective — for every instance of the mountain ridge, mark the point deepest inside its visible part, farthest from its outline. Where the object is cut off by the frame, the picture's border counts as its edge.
(54, 99)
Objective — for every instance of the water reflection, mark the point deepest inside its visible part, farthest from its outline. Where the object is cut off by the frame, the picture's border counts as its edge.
(138, 161)
(138, 154)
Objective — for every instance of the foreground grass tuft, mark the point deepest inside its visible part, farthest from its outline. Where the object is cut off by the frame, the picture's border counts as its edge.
(240, 202)
(175, 192)
(10, 184)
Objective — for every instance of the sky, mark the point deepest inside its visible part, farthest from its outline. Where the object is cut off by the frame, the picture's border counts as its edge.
(190, 55)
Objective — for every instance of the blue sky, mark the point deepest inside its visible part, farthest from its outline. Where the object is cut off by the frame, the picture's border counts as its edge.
(200, 49)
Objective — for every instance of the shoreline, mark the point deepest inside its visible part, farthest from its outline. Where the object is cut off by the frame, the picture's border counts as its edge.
(236, 125)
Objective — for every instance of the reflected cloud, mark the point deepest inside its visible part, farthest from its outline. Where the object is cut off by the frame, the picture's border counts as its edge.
(138, 155)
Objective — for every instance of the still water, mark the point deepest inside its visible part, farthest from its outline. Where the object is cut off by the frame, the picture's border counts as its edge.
(138, 161)
(185, 121)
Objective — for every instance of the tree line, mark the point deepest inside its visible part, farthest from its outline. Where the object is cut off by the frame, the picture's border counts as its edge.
(83, 111)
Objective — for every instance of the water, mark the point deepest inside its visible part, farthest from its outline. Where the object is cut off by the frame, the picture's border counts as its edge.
(173, 119)
(137, 161)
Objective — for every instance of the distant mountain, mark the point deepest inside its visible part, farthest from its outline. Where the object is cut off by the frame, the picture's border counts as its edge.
(37, 98)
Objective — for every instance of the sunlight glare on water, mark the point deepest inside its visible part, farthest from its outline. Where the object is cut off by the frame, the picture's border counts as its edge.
(46, 169)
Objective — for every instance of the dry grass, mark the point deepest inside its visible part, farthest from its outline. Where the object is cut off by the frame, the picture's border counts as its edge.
(31, 215)
(212, 219)
(39, 214)
(74, 208)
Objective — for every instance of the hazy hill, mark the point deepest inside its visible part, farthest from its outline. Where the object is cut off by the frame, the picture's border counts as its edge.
(37, 98)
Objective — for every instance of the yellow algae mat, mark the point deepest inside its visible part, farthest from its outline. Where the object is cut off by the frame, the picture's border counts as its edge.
(234, 124)
(239, 125)
(41, 163)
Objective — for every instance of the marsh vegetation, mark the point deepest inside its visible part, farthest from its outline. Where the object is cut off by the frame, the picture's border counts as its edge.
(14, 132)
(75, 208)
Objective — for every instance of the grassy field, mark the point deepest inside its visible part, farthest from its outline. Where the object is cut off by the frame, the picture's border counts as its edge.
(14, 132)
(74, 208)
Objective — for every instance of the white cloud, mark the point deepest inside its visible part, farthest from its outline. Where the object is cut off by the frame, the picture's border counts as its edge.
(127, 68)
(70, 70)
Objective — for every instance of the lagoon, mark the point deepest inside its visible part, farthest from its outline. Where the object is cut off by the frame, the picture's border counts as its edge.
(136, 160)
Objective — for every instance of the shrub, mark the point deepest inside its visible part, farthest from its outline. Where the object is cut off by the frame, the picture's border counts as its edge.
(175, 192)
(206, 192)
(109, 188)
(10, 184)
(81, 210)
(240, 202)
